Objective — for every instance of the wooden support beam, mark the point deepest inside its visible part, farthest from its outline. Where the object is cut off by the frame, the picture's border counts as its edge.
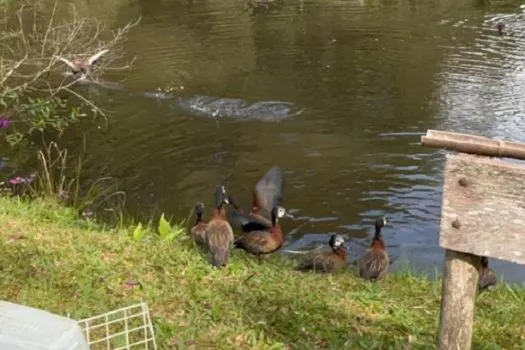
(478, 145)
(460, 281)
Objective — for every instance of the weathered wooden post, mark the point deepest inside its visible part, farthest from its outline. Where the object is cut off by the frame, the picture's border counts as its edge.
(483, 214)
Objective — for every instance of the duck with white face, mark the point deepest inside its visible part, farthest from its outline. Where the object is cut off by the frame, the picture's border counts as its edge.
(266, 194)
(326, 261)
(264, 241)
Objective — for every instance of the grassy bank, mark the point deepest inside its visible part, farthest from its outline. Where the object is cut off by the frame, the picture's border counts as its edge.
(53, 261)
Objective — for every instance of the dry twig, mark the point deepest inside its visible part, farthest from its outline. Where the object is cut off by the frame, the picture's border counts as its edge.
(29, 46)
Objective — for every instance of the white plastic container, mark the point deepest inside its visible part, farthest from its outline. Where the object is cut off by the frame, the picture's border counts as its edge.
(26, 328)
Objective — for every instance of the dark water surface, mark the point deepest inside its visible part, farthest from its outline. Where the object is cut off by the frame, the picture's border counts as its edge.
(371, 77)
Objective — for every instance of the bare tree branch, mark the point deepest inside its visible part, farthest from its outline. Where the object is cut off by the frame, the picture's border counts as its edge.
(30, 47)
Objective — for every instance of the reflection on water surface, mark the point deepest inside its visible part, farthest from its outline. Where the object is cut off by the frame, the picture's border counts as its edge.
(370, 77)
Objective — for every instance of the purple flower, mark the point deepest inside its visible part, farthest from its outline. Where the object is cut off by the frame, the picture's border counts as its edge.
(17, 180)
(22, 180)
(4, 123)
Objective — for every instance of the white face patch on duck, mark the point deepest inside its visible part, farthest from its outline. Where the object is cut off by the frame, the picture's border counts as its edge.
(281, 212)
(338, 241)
(222, 190)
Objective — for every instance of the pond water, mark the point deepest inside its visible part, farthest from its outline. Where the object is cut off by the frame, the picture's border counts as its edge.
(367, 78)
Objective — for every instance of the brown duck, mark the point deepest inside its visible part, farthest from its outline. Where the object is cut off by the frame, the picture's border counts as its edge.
(266, 195)
(262, 241)
(219, 233)
(199, 231)
(373, 265)
(487, 276)
(326, 261)
(83, 66)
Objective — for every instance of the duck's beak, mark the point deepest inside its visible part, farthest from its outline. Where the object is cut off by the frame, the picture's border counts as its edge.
(290, 216)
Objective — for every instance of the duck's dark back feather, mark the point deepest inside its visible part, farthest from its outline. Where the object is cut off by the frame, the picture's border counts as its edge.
(248, 222)
(327, 261)
(219, 241)
(374, 264)
(199, 233)
(269, 190)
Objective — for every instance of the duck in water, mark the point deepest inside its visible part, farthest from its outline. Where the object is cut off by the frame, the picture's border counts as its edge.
(83, 66)
(500, 27)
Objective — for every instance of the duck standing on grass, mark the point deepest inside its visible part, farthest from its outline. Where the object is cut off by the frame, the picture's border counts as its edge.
(83, 66)
(219, 233)
(487, 276)
(199, 231)
(326, 261)
(262, 241)
(266, 194)
(373, 265)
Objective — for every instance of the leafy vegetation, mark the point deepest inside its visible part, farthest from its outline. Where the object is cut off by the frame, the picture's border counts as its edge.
(36, 96)
(53, 260)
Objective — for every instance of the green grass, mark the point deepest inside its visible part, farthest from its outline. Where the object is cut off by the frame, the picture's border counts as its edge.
(51, 260)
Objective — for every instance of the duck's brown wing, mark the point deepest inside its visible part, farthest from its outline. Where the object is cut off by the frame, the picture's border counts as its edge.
(199, 233)
(269, 190)
(93, 59)
(325, 261)
(373, 264)
(313, 261)
(220, 241)
(257, 242)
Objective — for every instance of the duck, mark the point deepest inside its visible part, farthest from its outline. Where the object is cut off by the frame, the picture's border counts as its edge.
(266, 194)
(81, 65)
(326, 261)
(199, 231)
(219, 233)
(373, 265)
(262, 241)
(500, 26)
(487, 276)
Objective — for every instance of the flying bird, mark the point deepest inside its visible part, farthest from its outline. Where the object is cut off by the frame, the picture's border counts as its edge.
(81, 65)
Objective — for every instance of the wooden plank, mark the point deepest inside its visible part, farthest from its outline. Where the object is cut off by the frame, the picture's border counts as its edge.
(460, 281)
(466, 143)
(483, 209)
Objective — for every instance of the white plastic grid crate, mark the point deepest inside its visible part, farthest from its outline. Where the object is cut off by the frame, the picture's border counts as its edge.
(122, 329)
